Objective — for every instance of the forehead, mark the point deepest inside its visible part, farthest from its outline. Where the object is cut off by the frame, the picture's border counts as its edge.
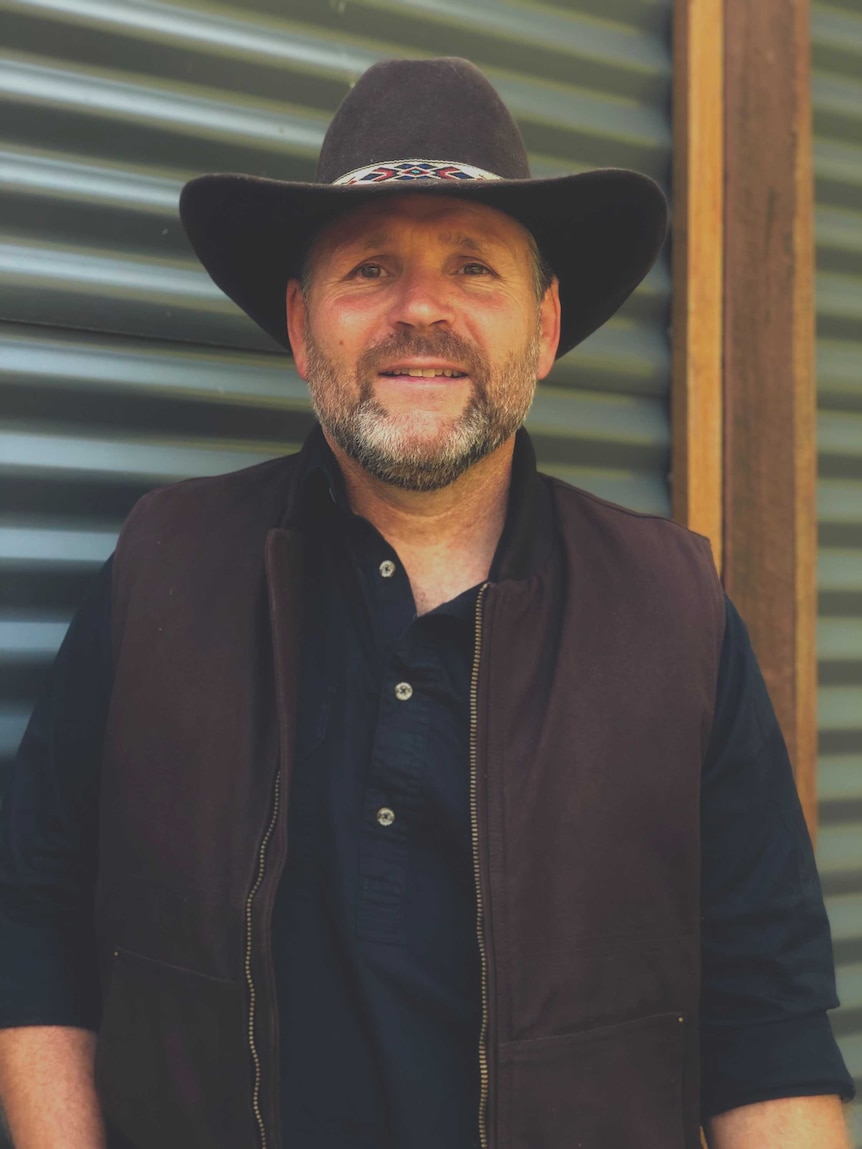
(438, 219)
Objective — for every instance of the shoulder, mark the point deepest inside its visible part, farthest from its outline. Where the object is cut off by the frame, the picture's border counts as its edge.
(639, 557)
(219, 493)
(255, 497)
(612, 520)
(202, 525)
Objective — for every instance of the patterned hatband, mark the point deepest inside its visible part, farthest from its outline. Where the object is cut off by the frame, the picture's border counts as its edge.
(414, 170)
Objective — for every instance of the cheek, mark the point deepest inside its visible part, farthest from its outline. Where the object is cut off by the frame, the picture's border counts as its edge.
(505, 306)
(348, 328)
(505, 328)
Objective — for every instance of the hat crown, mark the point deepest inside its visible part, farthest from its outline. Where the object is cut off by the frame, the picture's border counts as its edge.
(441, 109)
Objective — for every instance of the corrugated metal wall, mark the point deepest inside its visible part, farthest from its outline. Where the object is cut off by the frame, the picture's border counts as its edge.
(124, 367)
(837, 92)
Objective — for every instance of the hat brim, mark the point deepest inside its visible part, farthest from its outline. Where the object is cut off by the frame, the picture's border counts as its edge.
(600, 231)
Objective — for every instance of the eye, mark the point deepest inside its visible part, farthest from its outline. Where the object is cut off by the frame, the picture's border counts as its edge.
(369, 271)
(477, 269)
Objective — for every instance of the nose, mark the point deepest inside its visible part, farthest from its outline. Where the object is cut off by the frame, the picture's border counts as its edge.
(423, 299)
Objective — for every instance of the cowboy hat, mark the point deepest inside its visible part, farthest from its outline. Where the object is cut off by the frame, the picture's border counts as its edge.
(439, 127)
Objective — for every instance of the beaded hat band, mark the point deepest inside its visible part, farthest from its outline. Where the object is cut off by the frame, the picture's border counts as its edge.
(415, 170)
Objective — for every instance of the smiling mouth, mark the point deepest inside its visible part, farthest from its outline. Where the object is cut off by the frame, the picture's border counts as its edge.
(424, 373)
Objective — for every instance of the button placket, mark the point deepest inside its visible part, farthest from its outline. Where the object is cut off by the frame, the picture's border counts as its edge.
(393, 790)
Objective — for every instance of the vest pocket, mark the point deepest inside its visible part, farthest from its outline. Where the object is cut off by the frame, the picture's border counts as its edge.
(615, 1087)
(172, 1067)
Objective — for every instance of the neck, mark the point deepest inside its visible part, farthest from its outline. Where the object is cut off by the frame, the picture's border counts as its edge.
(446, 539)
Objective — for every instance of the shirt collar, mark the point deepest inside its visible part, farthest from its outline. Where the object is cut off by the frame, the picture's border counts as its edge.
(527, 533)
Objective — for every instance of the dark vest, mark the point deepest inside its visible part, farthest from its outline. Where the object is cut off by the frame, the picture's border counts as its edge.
(593, 699)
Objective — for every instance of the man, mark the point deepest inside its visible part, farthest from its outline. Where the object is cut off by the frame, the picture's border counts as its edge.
(439, 803)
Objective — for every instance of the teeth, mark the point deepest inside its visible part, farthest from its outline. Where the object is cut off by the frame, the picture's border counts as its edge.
(426, 373)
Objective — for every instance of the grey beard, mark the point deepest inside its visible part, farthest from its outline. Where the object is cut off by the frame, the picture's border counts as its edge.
(378, 441)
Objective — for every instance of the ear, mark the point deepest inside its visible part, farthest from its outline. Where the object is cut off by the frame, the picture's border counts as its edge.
(296, 315)
(549, 329)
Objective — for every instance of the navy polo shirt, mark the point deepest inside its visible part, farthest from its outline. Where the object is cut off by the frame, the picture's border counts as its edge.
(374, 927)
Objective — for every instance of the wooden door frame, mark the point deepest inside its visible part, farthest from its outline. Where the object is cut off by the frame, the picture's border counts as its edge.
(743, 391)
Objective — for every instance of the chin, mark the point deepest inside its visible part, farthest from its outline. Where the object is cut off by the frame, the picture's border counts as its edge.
(419, 435)
(418, 451)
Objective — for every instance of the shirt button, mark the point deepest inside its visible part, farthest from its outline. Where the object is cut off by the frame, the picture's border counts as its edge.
(385, 816)
(387, 568)
(403, 691)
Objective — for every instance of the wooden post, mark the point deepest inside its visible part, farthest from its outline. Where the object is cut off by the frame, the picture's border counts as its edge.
(697, 270)
(769, 390)
(698, 256)
(743, 396)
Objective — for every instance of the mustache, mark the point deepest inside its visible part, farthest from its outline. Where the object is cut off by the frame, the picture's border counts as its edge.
(432, 344)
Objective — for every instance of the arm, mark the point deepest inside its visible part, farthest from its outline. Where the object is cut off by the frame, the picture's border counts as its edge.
(49, 983)
(46, 1082)
(788, 1123)
(768, 975)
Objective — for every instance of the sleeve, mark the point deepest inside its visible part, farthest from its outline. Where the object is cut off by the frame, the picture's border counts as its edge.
(48, 834)
(767, 967)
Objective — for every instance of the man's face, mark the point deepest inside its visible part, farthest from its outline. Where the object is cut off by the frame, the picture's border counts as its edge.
(421, 336)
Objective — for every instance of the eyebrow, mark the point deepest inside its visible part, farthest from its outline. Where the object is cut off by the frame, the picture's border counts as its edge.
(459, 239)
(376, 239)
(381, 239)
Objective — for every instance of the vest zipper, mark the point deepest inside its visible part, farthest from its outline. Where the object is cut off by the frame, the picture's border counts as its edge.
(474, 820)
(252, 995)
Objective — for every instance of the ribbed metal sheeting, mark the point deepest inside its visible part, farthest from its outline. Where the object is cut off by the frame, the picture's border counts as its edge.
(124, 367)
(837, 95)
